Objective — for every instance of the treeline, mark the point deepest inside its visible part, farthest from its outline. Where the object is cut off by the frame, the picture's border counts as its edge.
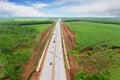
(5, 22)
(34, 22)
(96, 20)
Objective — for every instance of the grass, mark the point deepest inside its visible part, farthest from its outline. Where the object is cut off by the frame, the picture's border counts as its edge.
(96, 33)
(95, 20)
(12, 63)
(83, 76)
(16, 45)
(38, 27)
(114, 57)
(115, 73)
(107, 64)
(88, 34)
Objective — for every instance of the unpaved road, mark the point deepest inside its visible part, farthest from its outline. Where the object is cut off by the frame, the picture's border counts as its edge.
(53, 67)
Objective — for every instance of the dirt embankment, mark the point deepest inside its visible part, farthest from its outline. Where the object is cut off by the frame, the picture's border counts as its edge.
(39, 45)
(69, 37)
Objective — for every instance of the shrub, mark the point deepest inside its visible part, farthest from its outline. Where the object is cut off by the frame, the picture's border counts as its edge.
(96, 76)
(77, 60)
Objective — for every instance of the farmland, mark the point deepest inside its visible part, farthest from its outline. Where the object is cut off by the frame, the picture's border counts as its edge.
(16, 43)
(95, 33)
(97, 47)
(96, 51)
(95, 20)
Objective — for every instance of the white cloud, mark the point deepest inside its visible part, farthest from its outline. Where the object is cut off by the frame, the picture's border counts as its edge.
(3, 0)
(40, 5)
(96, 6)
(62, 2)
(61, 7)
(13, 9)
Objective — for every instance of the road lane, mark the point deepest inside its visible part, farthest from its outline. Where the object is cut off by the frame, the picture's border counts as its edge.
(59, 61)
(53, 66)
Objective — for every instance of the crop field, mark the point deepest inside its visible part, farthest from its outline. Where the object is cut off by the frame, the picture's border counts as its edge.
(96, 20)
(97, 43)
(16, 43)
(96, 52)
(95, 34)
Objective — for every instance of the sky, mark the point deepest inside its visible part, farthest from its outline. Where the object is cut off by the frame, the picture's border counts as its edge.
(59, 8)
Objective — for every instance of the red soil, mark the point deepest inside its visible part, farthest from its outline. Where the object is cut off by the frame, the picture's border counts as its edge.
(30, 66)
(69, 37)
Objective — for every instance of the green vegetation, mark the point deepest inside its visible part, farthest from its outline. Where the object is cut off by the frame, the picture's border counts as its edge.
(13, 62)
(97, 47)
(16, 44)
(95, 35)
(95, 20)
(83, 76)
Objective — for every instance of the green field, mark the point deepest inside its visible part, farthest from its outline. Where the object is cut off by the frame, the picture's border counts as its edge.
(95, 20)
(99, 34)
(95, 34)
(17, 36)
(16, 43)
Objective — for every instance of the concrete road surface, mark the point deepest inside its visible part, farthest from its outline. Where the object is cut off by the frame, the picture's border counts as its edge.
(53, 67)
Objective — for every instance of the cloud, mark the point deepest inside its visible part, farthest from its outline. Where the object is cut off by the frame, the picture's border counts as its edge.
(62, 2)
(3, 0)
(40, 5)
(107, 7)
(12, 9)
(61, 8)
